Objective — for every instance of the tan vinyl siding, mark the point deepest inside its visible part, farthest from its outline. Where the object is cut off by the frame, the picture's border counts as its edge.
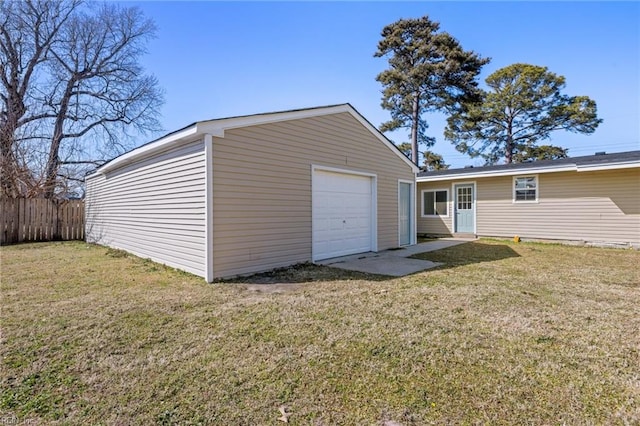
(430, 225)
(601, 206)
(262, 188)
(153, 209)
(596, 206)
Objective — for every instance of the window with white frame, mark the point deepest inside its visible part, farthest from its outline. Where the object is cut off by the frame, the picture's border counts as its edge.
(435, 202)
(525, 188)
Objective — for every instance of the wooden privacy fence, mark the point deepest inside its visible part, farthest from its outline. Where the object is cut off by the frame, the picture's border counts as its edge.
(40, 219)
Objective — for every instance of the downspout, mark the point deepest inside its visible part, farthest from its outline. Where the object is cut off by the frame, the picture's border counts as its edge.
(208, 206)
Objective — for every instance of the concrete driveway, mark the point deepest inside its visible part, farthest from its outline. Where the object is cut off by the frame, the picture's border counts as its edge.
(394, 263)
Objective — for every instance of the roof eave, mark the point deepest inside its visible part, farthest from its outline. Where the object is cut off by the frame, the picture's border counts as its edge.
(491, 173)
(218, 127)
(531, 170)
(610, 166)
(147, 150)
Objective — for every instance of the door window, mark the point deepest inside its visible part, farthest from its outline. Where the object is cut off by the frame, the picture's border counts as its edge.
(465, 200)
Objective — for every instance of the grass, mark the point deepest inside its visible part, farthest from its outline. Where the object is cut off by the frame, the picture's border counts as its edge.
(504, 333)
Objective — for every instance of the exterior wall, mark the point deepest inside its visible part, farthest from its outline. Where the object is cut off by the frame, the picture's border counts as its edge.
(262, 188)
(595, 206)
(154, 209)
(439, 226)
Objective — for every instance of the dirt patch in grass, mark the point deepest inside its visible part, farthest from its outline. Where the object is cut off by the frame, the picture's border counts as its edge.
(302, 273)
(504, 334)
(296, 277)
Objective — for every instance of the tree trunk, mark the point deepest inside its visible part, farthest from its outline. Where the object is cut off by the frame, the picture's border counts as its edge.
(9, 179)
(53, 162)
(508, 149)
(8, 167)
(415, 117)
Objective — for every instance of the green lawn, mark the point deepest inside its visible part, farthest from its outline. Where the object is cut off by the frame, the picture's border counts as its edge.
(505, 333)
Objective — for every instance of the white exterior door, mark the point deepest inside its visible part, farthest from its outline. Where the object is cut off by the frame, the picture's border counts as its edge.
(405, 213)
(465, 209)
(342, 218)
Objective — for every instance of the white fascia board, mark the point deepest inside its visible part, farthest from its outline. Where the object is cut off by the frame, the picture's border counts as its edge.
(382, 138)
(214, 128)
(147, 150)
(491, 173)
(218, 127)
(611, 166)
(91, 176)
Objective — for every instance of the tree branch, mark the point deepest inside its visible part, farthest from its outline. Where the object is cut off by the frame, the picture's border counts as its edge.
(93, 162)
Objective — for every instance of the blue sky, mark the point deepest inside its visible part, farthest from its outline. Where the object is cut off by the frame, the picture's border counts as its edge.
(220, 59)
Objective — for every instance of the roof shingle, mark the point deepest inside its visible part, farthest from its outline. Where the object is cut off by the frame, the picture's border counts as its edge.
(588, 160)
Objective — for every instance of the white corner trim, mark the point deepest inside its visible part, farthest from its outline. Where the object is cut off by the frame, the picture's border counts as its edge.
(208, 203)
(210, 130)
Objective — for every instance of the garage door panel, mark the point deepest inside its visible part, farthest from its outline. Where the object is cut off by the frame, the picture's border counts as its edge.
(342, 214)
(340, 183)
(336, 224)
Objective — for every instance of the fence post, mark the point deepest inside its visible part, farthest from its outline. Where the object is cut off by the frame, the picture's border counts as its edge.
(33, 219)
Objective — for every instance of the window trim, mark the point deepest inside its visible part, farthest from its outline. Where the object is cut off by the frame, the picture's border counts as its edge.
(422, 214)
(513, 189)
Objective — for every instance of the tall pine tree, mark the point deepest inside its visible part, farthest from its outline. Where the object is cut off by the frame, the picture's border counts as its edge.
(523, 105)
(428, 71)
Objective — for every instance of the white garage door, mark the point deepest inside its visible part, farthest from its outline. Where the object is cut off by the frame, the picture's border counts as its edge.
(342, 214)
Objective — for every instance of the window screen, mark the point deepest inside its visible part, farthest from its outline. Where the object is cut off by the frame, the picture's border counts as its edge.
(526, 188)
(435, 203)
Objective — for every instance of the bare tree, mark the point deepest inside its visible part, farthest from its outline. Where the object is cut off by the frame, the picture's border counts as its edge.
(28, 31)
(90, 94)
(100, 87)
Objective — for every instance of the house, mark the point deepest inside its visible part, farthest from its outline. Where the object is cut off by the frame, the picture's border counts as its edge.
(594, 198)
(239, 195)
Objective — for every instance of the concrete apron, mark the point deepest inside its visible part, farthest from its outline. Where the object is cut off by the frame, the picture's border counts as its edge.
(394, 263)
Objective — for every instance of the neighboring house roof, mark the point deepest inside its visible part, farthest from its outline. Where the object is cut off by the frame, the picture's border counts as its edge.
(618, 160)
(217, 127)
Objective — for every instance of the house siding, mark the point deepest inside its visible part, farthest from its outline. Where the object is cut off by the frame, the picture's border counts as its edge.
(154, 208)
(595, 206)
(441, 225)
(262, 188)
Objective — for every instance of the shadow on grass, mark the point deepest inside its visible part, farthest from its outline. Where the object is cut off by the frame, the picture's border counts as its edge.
(304, 273)
(467, 254)
(464, 254)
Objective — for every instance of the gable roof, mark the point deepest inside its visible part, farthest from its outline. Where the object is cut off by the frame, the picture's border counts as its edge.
(618, 160)
(217, 128)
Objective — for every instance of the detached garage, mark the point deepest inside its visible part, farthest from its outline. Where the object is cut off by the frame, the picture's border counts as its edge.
(246, 194)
